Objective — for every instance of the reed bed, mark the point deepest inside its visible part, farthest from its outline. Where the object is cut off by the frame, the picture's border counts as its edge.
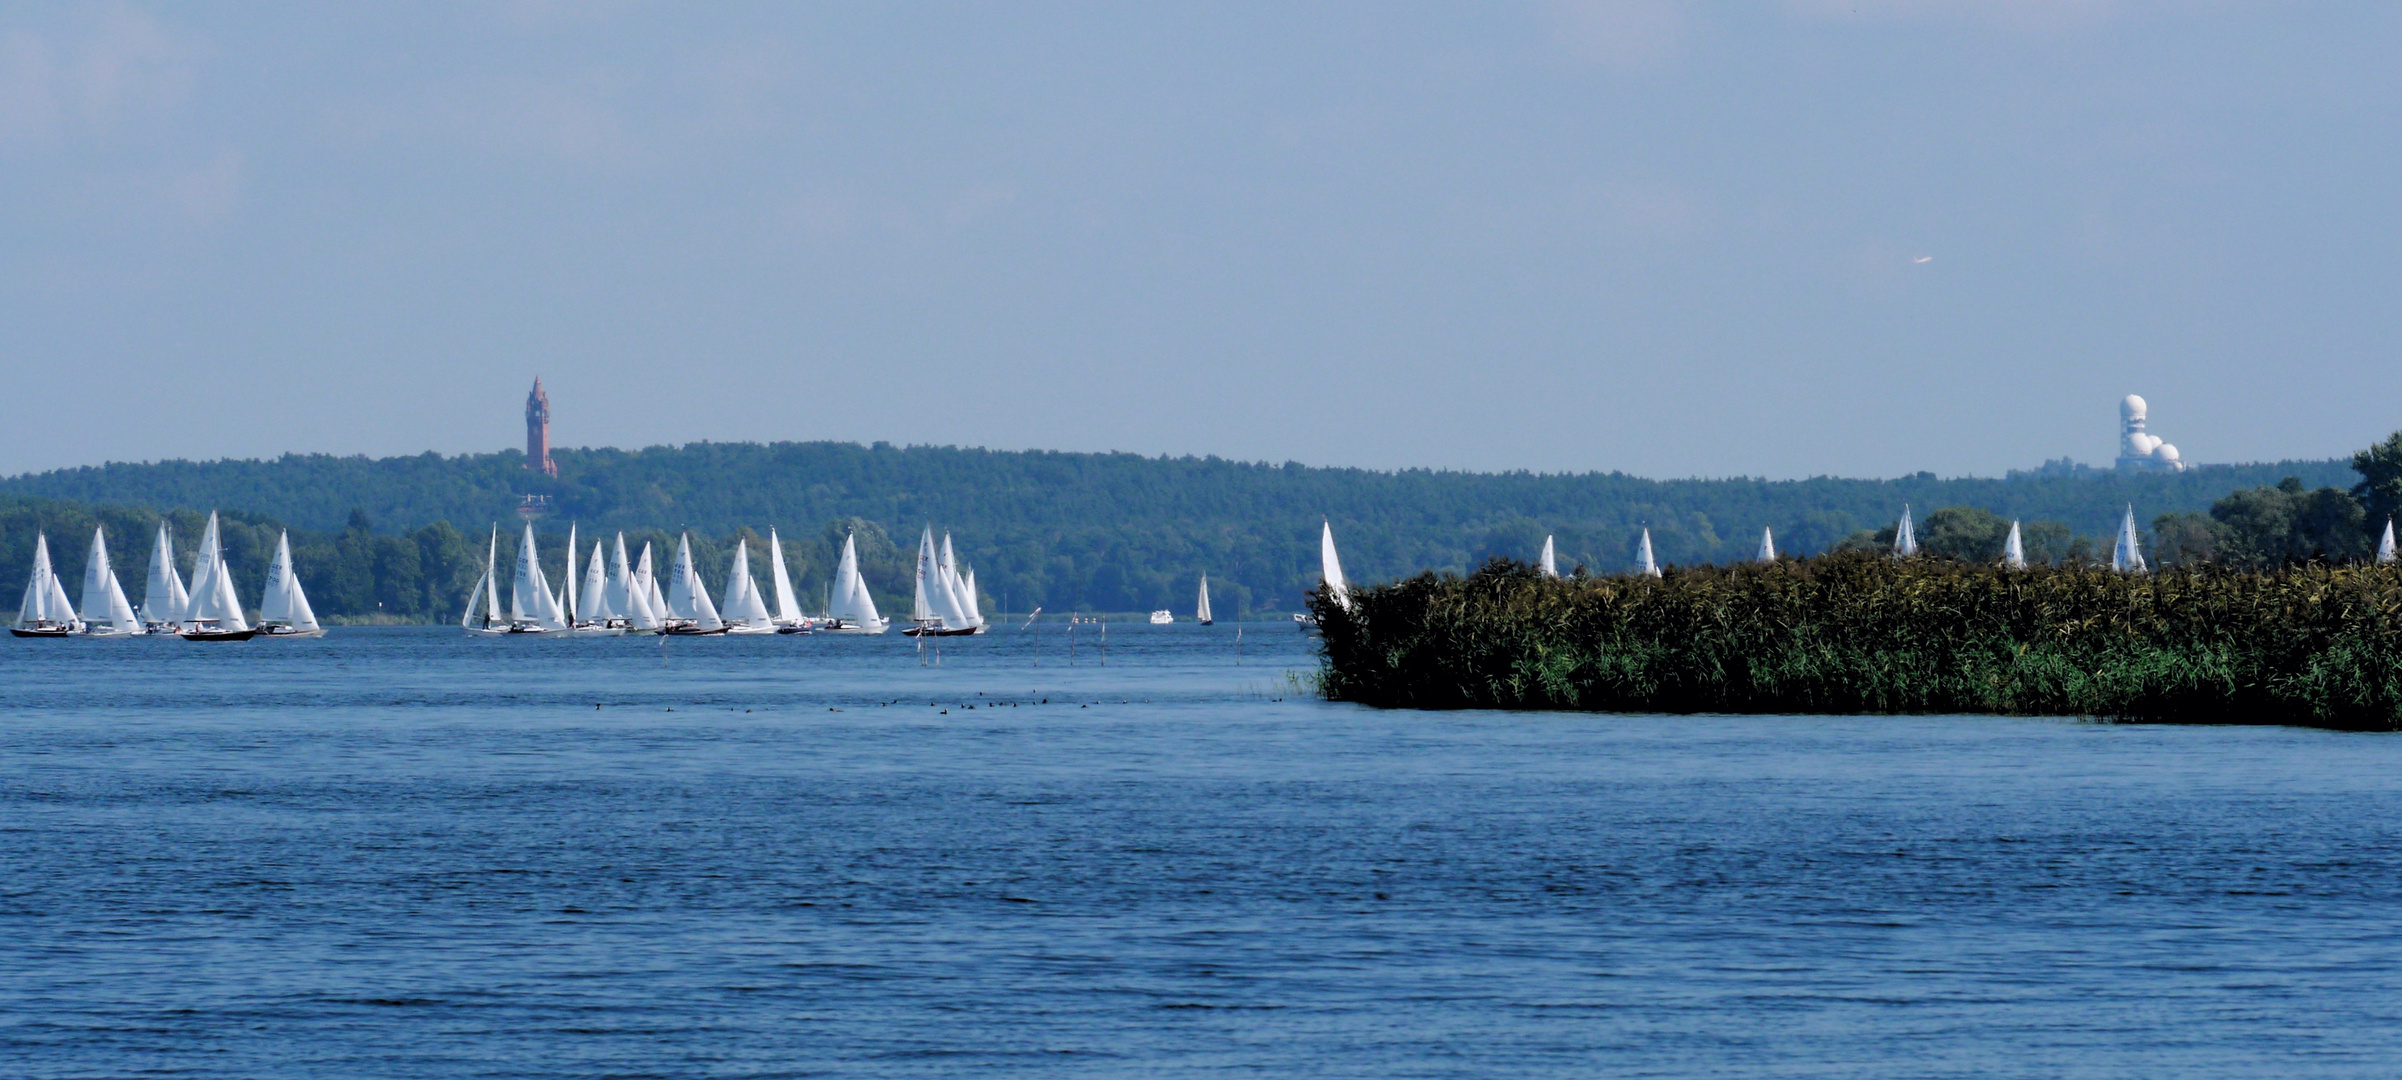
(1862, 633)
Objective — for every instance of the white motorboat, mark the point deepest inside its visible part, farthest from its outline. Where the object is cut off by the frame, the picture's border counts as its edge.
(1162, 617)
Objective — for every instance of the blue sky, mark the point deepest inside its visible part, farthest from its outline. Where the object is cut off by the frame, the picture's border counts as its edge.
(1772, 239)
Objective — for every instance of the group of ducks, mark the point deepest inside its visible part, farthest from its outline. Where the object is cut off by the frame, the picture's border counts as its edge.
(209, 610)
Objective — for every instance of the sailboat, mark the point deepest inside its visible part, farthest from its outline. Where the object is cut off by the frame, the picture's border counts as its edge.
(746, 610)
(284, 610)
(1550, 561)
(1201, 608)
(483, 605)
(2014, 550)
(629, 592)
(2126, 556)
(1905, 538)
(789, 619)
(45, 611)
(163, 598)
(1767, 545)
(1644, 563)
(648, 582)
(215, 613)
(2385, 544)
(849, 608)
(1331, 568)
(935, 611)
(533, 609)
(105, 610)
(688, 608)
(589, 613)
(962, 588)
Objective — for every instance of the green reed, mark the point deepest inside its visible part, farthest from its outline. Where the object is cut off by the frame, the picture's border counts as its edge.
(1858, 633)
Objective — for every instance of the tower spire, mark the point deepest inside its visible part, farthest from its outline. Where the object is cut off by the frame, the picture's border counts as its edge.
(537, 431)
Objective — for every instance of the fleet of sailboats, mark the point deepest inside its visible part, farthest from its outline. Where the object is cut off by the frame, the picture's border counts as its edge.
(945, 603)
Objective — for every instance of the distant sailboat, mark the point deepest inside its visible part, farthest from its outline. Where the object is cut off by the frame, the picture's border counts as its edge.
(533, 609)
(962, 588)
(746, 610)
(849, 608)
(284, 610)
(1644, 563)
(1550, 562)
(45, 611)
(1767, 545)
(215, 613)
(789, 619)
(105, 610)
(483, 605)
(648, 582)
(163, 598)
(2385, 544)
(1905, 538)
(688, 608)
(935, 610)
(1201, 609)
(2127, 555)
(1330, 568)
(2014, 551)
(593, 614)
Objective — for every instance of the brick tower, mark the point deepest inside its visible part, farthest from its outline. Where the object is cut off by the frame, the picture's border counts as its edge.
(537, 431)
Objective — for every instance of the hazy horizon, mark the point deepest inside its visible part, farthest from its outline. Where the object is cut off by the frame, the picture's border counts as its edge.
(1776, 239)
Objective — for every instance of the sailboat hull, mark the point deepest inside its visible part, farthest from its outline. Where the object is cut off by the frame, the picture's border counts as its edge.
(219, 635)
(942, 631)
(290, 634)
(41, 631)
(694, 631)
(837, 626)
(592, 630)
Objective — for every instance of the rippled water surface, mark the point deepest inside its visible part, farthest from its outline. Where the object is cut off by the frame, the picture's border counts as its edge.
(403, 853)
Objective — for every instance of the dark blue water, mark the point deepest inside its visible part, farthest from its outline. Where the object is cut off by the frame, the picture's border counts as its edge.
(403, 853)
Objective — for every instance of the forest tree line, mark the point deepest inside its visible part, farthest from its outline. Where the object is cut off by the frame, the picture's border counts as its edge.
(404, 537)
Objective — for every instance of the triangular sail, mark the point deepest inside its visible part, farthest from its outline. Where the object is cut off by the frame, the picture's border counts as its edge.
(530, 598)
(475, 598)
(593, 600)
(788, 610)
(967, 598)
(492, 579)
(851, 602)
(687, 598)
(2127, 555)
(42, 592)
(163, 597)
(218, 599)
(284, 601)
(644, 610)
(1330, 568)
(570, 610)
(1905, 538)
(103, 599)
(1550, 561)
(650, 587)
(204, 564)
(1201, 608)
(2385, 544)
(957, 612)
(2014, 550)
(744, 604)
(924, 607)
(1644, 563)
(1767, 545)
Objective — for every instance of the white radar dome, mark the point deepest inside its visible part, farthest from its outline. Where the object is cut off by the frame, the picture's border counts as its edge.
(2132, 409)
(2165, 452)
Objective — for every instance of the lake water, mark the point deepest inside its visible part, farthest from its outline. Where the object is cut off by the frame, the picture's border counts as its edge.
(404, 853)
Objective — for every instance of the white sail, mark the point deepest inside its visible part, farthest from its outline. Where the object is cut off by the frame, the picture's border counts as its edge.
(2385, 544)
(475, 597)
(788, 610)
(745, 607)
(1330, 568)
(2127, 555)
(957, 611)
(163, 597)
(44, 598)
(284, 602)
(1201, 608)
(1644, 563)
(1767, 545)
(216, 600)
(967, 599)
(687, 598)
(1550, 561)
(530, 599)
(104, 603)
(492, 579)
(482, 609)
(594, 598)
(569, 610)
(204, 562)
(2014, 550)
(650, 588)
(850, 600)
(1905, 538)
(926, 607)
